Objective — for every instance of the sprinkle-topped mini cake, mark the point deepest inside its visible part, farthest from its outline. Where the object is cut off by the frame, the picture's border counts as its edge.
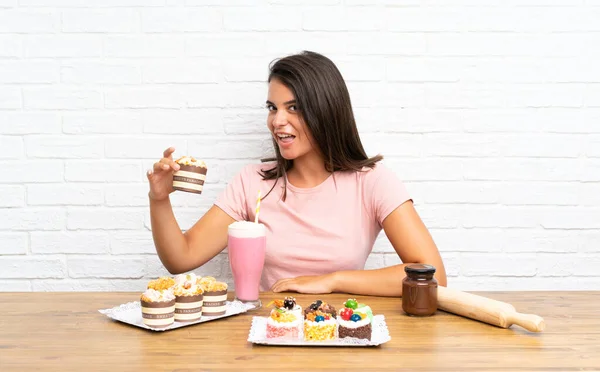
(191, 175)
(215, 296)
(354, 320)
(158, 308)
(319, 323)
(188, 298)
(285, 319)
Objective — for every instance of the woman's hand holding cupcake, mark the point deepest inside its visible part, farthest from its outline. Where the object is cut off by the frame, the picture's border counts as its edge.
(160, 176)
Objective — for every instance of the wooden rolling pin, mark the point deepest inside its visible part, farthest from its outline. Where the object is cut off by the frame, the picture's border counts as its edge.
(486, 310)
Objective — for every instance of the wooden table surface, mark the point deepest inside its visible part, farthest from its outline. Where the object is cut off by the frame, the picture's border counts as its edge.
(65, 332)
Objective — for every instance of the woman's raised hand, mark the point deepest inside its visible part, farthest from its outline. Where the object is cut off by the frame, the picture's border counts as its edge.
(160, 176)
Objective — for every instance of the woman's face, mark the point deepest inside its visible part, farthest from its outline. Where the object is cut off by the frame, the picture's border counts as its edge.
(284, 122)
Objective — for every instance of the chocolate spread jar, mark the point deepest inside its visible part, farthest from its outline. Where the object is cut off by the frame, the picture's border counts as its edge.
(419, 290)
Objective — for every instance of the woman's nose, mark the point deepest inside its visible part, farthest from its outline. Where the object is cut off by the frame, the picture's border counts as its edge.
(280, 118)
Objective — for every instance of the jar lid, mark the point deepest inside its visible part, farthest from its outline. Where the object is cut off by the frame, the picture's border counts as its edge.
(419, 269)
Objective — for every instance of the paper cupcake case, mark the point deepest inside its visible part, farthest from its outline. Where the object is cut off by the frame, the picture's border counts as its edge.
(131, 313)
(258, 335)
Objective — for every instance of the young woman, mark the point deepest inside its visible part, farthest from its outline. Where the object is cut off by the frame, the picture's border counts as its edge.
(325, 200)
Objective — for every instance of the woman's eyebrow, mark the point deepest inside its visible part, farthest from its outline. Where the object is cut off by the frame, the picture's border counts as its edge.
(285, 103)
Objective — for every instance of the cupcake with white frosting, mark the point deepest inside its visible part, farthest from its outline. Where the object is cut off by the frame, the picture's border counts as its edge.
(189, 297)
(158, 308)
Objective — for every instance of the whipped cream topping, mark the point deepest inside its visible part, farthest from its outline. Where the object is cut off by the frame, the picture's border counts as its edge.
(353, 324)
(158, 296)
(297, 311)
(246, 229)
(187, 284)
(189, 160)
(181, 279)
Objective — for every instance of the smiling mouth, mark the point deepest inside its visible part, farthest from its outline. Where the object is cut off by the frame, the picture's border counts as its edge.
(285, 138)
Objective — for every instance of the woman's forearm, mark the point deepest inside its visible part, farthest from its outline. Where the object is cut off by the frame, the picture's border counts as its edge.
(386, 281)
(170, 242)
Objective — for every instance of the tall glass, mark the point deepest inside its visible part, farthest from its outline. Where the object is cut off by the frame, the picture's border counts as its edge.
(246, 243)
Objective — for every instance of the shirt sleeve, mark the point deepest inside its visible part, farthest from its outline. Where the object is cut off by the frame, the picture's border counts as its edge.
(383, 192)
(232, 200)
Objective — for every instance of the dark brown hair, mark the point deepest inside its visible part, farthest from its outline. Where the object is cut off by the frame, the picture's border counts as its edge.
(323, 103)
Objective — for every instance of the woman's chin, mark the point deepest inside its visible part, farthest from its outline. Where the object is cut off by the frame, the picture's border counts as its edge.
(287, 154)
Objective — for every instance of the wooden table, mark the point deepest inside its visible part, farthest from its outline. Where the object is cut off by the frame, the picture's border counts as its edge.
(65, 332)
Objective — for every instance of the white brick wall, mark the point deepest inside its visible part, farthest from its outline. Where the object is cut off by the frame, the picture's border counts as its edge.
(489, 111)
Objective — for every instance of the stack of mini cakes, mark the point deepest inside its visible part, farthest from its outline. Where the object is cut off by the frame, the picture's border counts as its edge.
(185, 298)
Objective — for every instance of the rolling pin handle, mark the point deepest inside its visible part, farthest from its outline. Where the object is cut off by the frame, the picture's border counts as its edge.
(530, 322)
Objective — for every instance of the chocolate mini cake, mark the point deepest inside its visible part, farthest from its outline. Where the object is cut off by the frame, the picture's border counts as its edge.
(189, 297)
(354, 320)
(158, 308)
(190, 176)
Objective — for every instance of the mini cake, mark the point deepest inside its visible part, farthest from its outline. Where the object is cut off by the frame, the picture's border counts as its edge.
(161, 283)
(188, 298)
(285, 319)
(320, 323)
(190, 176)
(215, 296)
(158, 308)
(355, 321)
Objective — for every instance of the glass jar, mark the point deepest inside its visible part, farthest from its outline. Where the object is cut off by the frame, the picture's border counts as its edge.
(419, 290)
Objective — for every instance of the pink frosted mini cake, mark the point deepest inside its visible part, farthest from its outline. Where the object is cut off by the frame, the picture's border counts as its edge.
(285, 320)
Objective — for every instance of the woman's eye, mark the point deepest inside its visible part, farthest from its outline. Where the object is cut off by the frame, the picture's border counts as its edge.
(271, 108)
(292, 108)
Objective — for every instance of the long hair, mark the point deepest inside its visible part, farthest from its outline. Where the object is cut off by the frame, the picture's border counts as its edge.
(323, 104)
